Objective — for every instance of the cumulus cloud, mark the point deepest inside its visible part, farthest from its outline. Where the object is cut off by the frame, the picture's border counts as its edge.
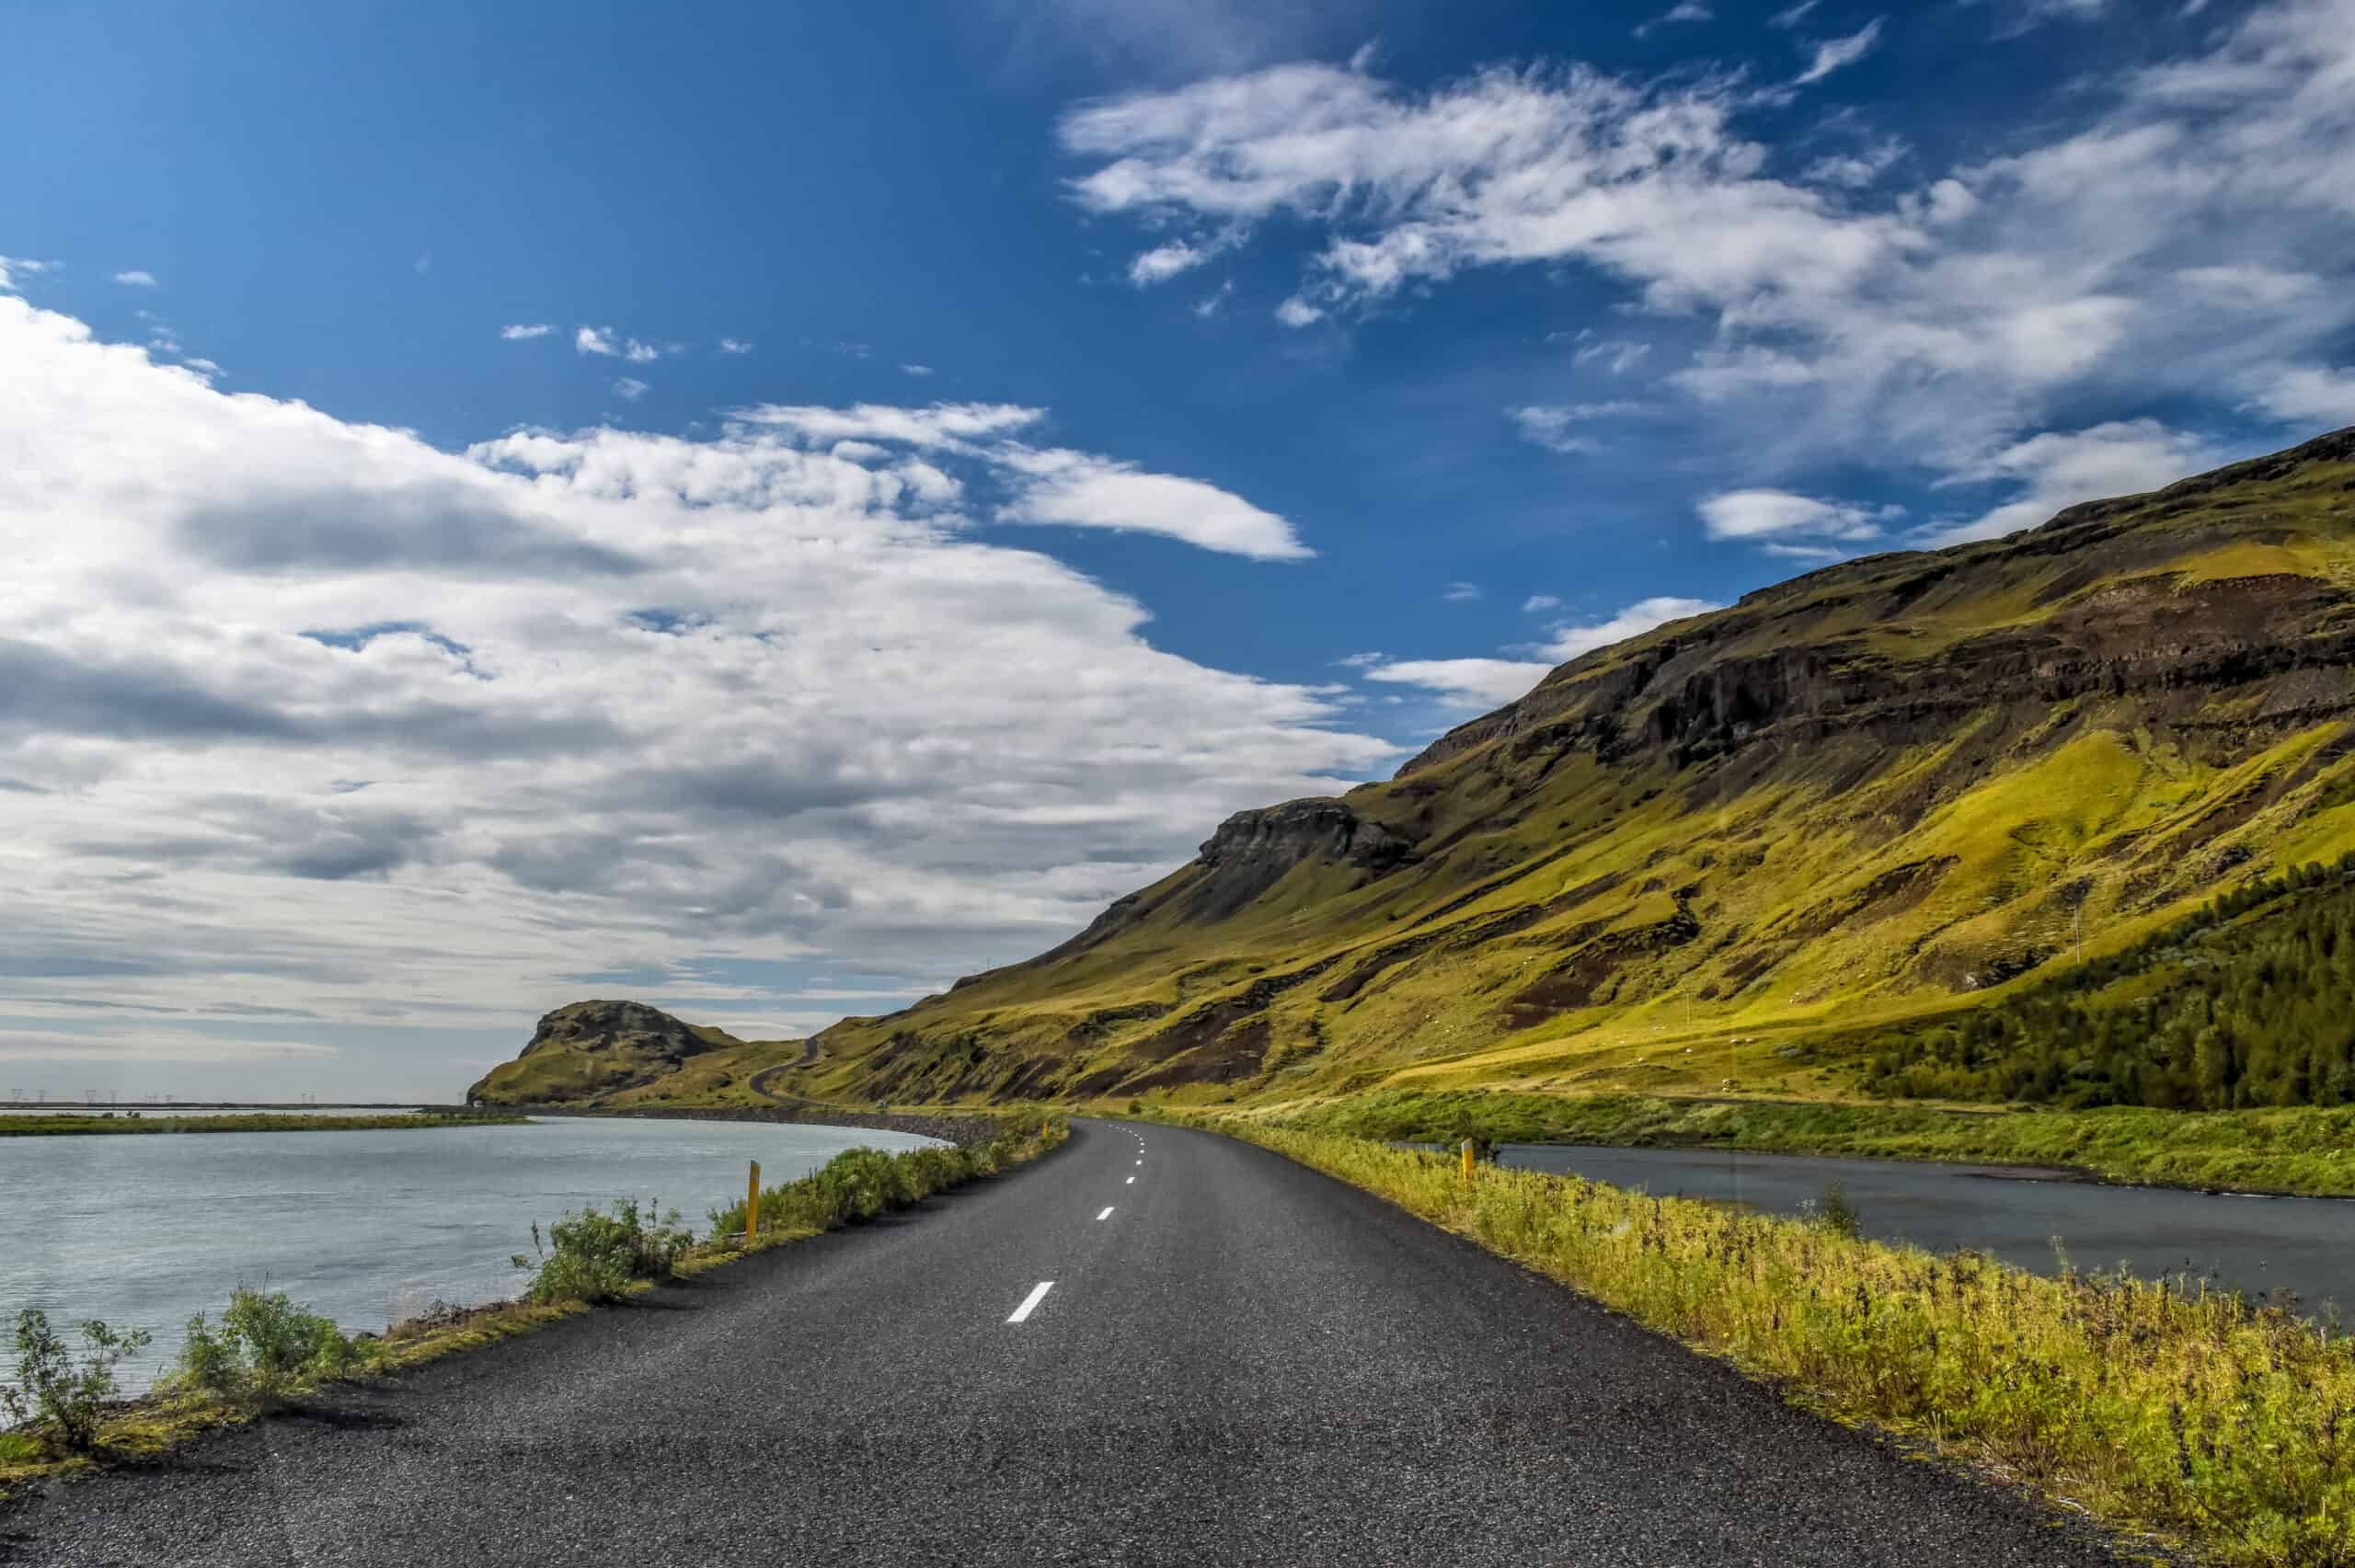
(735, 345)
(1571, 639)
(137, 277)
(1478, 683)
(1083, 491)
(1785, 523)
(2059, 469)
(312, 716)
(1465, 682)
(596, 340)
(2146, 242)
(523, 331)
(1536, 602)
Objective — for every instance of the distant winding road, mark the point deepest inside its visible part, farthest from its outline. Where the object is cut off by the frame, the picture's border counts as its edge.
(1155, 1347)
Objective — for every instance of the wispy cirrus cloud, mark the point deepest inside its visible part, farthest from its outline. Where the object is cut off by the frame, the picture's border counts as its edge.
(1838, 53)
(523, 331)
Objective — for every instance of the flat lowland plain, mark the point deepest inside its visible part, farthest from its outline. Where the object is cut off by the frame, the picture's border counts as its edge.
(65, 1124)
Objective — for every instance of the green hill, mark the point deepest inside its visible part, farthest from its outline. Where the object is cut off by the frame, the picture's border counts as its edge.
(1792, 847)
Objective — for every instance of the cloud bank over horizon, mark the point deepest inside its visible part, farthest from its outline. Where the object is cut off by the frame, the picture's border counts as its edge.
(306, 723)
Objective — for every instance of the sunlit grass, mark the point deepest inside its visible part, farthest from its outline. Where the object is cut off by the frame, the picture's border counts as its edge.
(2162, 1407)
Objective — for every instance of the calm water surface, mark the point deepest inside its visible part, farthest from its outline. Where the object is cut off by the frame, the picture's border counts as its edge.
(367, 1227)
(2254, 1244)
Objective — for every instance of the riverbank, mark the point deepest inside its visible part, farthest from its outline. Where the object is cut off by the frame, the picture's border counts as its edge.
(965, 1129)
(2307, 1153)
(2211, 1422)
(575, 1270)
(61, 1124)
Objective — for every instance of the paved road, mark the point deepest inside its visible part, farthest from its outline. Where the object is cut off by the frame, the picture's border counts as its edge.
(1243, 1362)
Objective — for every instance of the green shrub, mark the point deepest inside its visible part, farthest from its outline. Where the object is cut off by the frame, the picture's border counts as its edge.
(597, 1256)
(1839, 1214)
(266, 1346)
(58, 1393)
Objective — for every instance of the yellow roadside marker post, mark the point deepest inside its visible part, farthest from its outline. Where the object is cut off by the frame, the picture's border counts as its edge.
(1467, 1159)
(753, 1203)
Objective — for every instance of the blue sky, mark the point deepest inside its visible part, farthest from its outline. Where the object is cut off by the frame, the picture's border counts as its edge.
(974, 447)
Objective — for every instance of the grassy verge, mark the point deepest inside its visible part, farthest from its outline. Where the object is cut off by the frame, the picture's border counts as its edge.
(61, 1124)
(2309, 1151)
(2199, 1417)
(266, 1350)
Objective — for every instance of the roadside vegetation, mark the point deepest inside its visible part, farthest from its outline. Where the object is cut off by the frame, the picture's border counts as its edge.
(265, 1348)
(2165, 1407)
(2302, 1151)
(63, 1123)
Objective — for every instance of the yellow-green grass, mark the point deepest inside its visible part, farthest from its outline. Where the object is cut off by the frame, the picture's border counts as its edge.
(2308, 1152)
(63, 1123)
(2155, 1408)
(151, 1426)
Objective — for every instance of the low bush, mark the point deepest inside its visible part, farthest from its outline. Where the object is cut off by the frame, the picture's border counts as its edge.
(265, 1347)
(596, 1255)
(60, 1395)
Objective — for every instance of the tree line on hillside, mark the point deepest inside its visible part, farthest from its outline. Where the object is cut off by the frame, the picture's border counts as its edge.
(2244, 1004)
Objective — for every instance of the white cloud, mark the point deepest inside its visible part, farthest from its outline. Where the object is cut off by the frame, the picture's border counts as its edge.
(1208, 305)
(1840, 315)
(12, 265)
(1834, 53)
(915, 370)
(137, 277)
(1359, 660)
(1791, 522)
(639, 353)
(630, 388)
(596, 340)
(1685, 11)
(735, 345)
(1466, 683)
(316, 717)
(2305, 394)
(1619, 355)
(1164, 262)
(1793, 15)
(1557, 426)
(1567, 642)
(1461, 592)
(1083, 491)
(521, 331)
(2057, 469)
(1537, 602)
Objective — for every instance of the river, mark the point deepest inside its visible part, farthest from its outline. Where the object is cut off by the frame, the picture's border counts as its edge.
(367, 1227)
(2253, 1244)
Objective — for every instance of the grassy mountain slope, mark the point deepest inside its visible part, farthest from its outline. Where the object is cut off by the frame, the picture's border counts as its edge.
(1745, 850)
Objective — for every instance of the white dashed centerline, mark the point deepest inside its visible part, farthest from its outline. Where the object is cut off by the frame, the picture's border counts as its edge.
(1030, 1302)
(1107, 1214)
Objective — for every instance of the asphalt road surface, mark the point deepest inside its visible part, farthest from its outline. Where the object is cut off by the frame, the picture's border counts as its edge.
(1154, 1346)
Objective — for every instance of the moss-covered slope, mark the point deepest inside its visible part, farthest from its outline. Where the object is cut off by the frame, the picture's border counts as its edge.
(1718, 855)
